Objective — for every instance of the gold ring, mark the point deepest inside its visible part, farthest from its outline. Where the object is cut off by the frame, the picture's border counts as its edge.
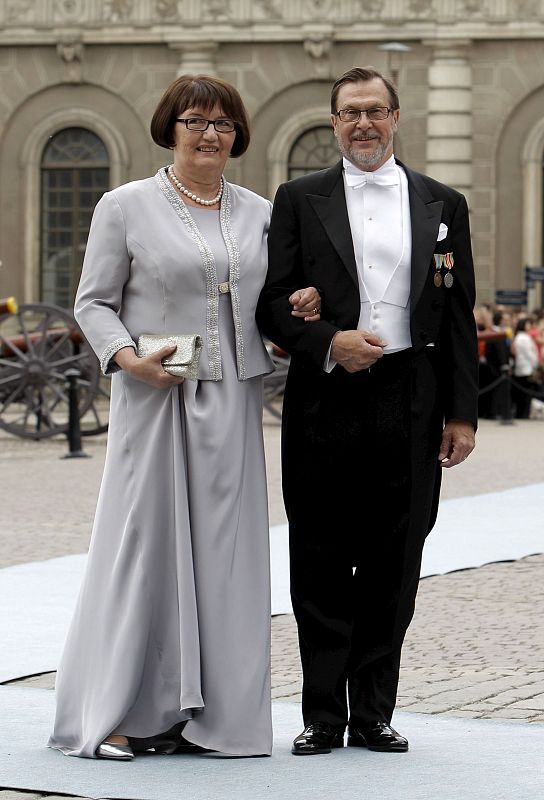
(315, 310)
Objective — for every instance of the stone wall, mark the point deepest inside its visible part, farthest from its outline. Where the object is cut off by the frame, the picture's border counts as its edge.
(471, 85)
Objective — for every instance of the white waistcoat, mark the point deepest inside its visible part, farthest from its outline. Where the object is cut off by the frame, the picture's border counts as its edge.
(379, 217)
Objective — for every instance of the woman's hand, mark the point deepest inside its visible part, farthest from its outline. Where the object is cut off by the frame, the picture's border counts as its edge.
(148, 369)
(306, 304)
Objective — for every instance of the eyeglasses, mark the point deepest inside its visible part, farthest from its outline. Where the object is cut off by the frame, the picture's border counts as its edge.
(354, 114)
(199, 124)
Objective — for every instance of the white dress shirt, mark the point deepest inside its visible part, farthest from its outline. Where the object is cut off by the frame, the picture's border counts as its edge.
(379, 217)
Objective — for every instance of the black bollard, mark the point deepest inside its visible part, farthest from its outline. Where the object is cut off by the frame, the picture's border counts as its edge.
(74, 431)
(506, 399)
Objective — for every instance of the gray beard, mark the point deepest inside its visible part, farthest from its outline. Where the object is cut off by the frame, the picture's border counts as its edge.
(365, 159)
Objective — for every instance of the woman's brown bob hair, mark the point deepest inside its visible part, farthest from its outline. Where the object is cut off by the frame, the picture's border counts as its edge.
(205, 92)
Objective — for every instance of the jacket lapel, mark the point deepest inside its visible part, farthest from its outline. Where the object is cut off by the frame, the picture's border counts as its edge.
(425, 216)
(331, 209)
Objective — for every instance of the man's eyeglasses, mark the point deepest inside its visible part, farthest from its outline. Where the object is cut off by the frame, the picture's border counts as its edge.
(199, 124)
(354, 114)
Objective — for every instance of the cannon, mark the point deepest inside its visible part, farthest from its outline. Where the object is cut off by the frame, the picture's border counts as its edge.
(39, 344)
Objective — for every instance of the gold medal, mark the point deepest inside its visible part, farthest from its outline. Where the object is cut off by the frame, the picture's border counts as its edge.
(437, 279)
(448, 280)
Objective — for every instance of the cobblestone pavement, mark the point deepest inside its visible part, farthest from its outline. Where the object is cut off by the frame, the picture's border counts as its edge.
(475, 646)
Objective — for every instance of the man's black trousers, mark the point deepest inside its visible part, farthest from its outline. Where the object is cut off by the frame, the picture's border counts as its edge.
(361, 481)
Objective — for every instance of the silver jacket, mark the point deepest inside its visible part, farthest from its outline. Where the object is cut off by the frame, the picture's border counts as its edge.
(139, 273)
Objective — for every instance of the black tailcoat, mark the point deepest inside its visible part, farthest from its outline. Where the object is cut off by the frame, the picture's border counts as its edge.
(348, 457)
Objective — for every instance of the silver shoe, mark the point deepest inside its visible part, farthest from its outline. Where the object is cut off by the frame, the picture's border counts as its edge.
(116, 752)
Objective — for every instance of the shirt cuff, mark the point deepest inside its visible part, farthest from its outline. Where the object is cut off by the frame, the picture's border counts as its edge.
(329, 363)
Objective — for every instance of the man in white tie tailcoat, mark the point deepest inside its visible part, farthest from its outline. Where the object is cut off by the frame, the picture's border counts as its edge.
(381, 396)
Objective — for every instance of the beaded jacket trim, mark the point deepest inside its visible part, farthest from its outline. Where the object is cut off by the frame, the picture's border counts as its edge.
(212, 293)
(110, 351)
(234, 277)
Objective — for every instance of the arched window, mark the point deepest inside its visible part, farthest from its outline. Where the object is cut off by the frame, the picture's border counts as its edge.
(314, 149)
(75, 175)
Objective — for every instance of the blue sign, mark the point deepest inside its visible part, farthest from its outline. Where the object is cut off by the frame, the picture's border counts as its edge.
(511, 297)
(533, 274)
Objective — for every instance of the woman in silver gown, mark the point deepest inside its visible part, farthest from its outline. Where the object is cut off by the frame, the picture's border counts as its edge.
(171, 631)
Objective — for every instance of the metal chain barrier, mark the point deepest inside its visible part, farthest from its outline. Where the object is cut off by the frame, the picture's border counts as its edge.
(505, 417)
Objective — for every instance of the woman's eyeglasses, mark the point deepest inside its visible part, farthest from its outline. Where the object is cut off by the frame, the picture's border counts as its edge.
(199, 124)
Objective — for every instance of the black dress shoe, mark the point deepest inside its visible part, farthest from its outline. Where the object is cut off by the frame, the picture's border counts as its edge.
(378, 736)
(167, 743)
(318, 738)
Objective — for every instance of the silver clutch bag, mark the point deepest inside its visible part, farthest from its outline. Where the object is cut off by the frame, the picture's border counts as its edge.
(184, 361)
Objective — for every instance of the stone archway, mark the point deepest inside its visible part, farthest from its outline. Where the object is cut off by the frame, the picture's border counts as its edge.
(286, 135)
(275, 127)
(519, 186)
(24, 138)
(532, 161)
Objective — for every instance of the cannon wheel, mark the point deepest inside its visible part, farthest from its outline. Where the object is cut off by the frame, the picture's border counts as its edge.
(38, 345)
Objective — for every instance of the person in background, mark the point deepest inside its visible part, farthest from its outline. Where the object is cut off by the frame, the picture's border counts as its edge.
(484, 323)
(535, 332)
(507, 323)
(525, 363)
(497, 355)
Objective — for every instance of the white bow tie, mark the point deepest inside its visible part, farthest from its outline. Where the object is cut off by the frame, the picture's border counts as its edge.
(384, 176)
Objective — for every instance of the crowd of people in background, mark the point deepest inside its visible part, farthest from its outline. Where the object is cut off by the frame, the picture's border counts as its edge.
(511, 345)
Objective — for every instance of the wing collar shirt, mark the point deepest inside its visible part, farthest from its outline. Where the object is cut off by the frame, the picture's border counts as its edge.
(379, 217)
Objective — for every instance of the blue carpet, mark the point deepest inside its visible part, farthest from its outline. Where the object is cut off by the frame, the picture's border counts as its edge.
(37, 598)
(450, 759)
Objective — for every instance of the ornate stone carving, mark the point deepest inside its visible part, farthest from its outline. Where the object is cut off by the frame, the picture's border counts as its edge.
(70, 10)
(101, 17)
(20, 10)
(118, 10)
(473, 8)
(318, 46)
(71, 53)
(166, 10)
(370, 8)
(420, 8)
(217, 10)
(318, 9)
(272, 9)
(526, 9)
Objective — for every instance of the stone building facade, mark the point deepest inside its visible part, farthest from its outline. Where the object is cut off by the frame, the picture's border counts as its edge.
(79, 80)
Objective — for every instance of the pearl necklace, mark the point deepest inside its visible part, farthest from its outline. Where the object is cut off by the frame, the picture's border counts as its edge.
(183, 189)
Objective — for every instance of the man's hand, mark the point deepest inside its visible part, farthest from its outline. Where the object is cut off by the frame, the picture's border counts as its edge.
(356, 350)
(458, 442)
(148, 369)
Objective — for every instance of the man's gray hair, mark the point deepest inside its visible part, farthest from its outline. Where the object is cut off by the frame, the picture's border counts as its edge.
(360, 75)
